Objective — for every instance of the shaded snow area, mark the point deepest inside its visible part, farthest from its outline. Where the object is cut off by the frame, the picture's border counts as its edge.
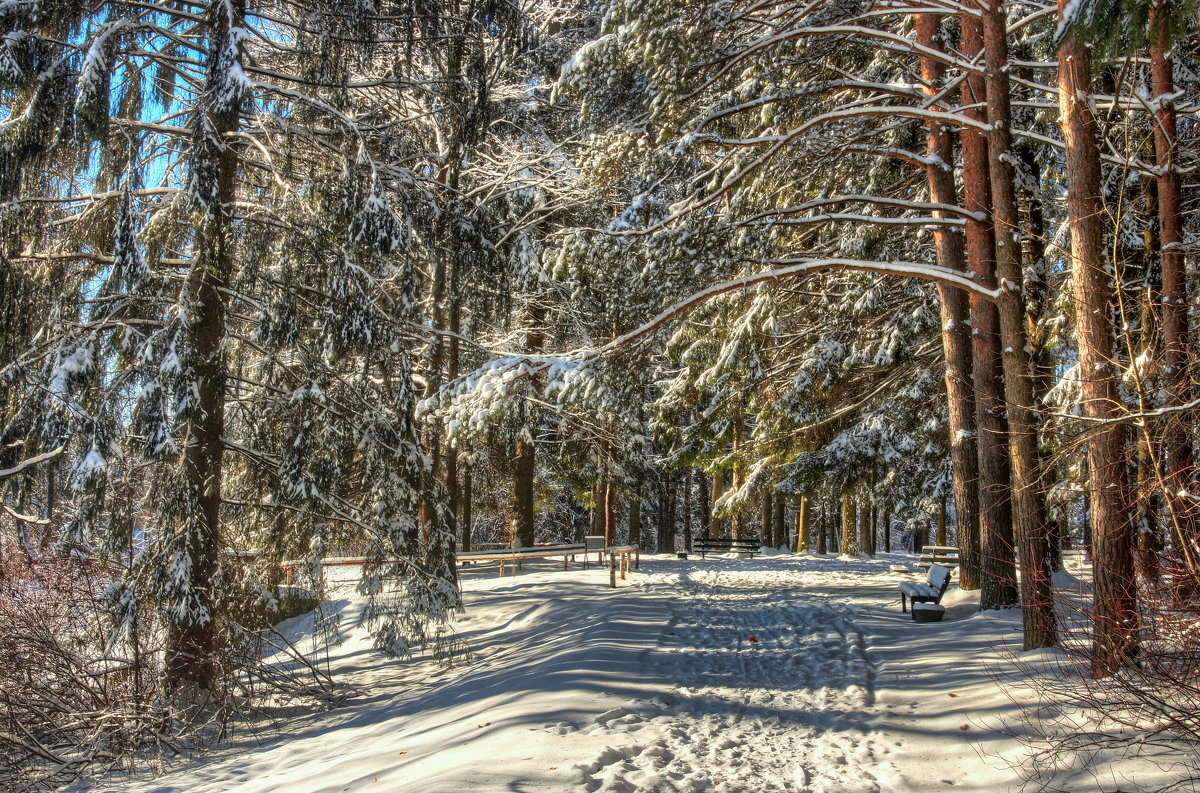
(769, 690)
(783, 673)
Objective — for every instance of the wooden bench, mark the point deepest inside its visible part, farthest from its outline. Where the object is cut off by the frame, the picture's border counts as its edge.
(931, 591)
(703, 545)
(945, 555)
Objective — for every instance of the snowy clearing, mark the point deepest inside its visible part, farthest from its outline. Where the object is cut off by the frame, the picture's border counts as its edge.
(783, 673)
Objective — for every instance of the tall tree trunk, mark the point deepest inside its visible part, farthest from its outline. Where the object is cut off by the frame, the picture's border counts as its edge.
(524, 472)
(887, 529)
(780, 525)
(1146, 476)
(767, 519)
(1148, 542)
(704, 504)
(1038, 306)
(874, 526)
(955, 308)
(1028, 500)
(465, 525)
(635, 519)
(610, 513)
(452, 452)
(866, 537)
(190, 667)
(942, 539)
(672, 515)
(525, 467)
(823, 529)
(986, 558)
(687, 509)
(849, 527)
(718, 489)
(1114, 619)
(596, 521)
(804, 538)
(1177, 355)
(661, 544)
(739, 477)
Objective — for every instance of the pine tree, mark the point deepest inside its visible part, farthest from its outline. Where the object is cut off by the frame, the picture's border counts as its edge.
(238, 276)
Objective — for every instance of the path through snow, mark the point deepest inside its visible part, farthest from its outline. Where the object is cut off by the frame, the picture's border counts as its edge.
(783, 673)
(771, 691)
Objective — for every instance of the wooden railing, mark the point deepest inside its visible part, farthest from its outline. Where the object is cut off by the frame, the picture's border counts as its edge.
(622, 556)
(514, 556)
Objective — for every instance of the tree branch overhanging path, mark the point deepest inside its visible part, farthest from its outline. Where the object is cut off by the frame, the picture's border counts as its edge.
(786, 270)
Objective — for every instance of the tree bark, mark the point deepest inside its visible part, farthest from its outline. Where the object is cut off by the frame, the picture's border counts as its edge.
(525, 467)
(718, 490)
(1039, 305)
(887, 529)
(687, 509)
(465, 525)
(988, 568)
(780, 525)
(804, 538)
(823, 529)
(1177, 354)
(453, 363)
(1028, 500)
(739, 440)
(672, 515)
(866, 539)
(610, 513)
(189, 661)
(1148, 541)
(767, 519)
(1114, 618)
(635, 519)
(596, 521)
(1146, 475)
(524, 472)
(704, 504)
(849, 527)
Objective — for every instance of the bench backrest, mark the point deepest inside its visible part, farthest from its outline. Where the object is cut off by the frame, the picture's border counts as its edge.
(939, 577)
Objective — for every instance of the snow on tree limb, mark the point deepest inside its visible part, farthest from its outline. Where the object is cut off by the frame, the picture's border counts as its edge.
(31, 461)
(495, 375)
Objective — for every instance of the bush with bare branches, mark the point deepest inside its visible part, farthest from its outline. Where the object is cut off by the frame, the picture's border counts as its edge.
(77, 699)
(1148, 712)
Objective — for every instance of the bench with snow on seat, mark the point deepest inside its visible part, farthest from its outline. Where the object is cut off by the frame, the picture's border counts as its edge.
(703, 545)
(929, 592)
(945, 555)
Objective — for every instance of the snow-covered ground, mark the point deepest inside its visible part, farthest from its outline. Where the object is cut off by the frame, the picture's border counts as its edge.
(782, 673)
